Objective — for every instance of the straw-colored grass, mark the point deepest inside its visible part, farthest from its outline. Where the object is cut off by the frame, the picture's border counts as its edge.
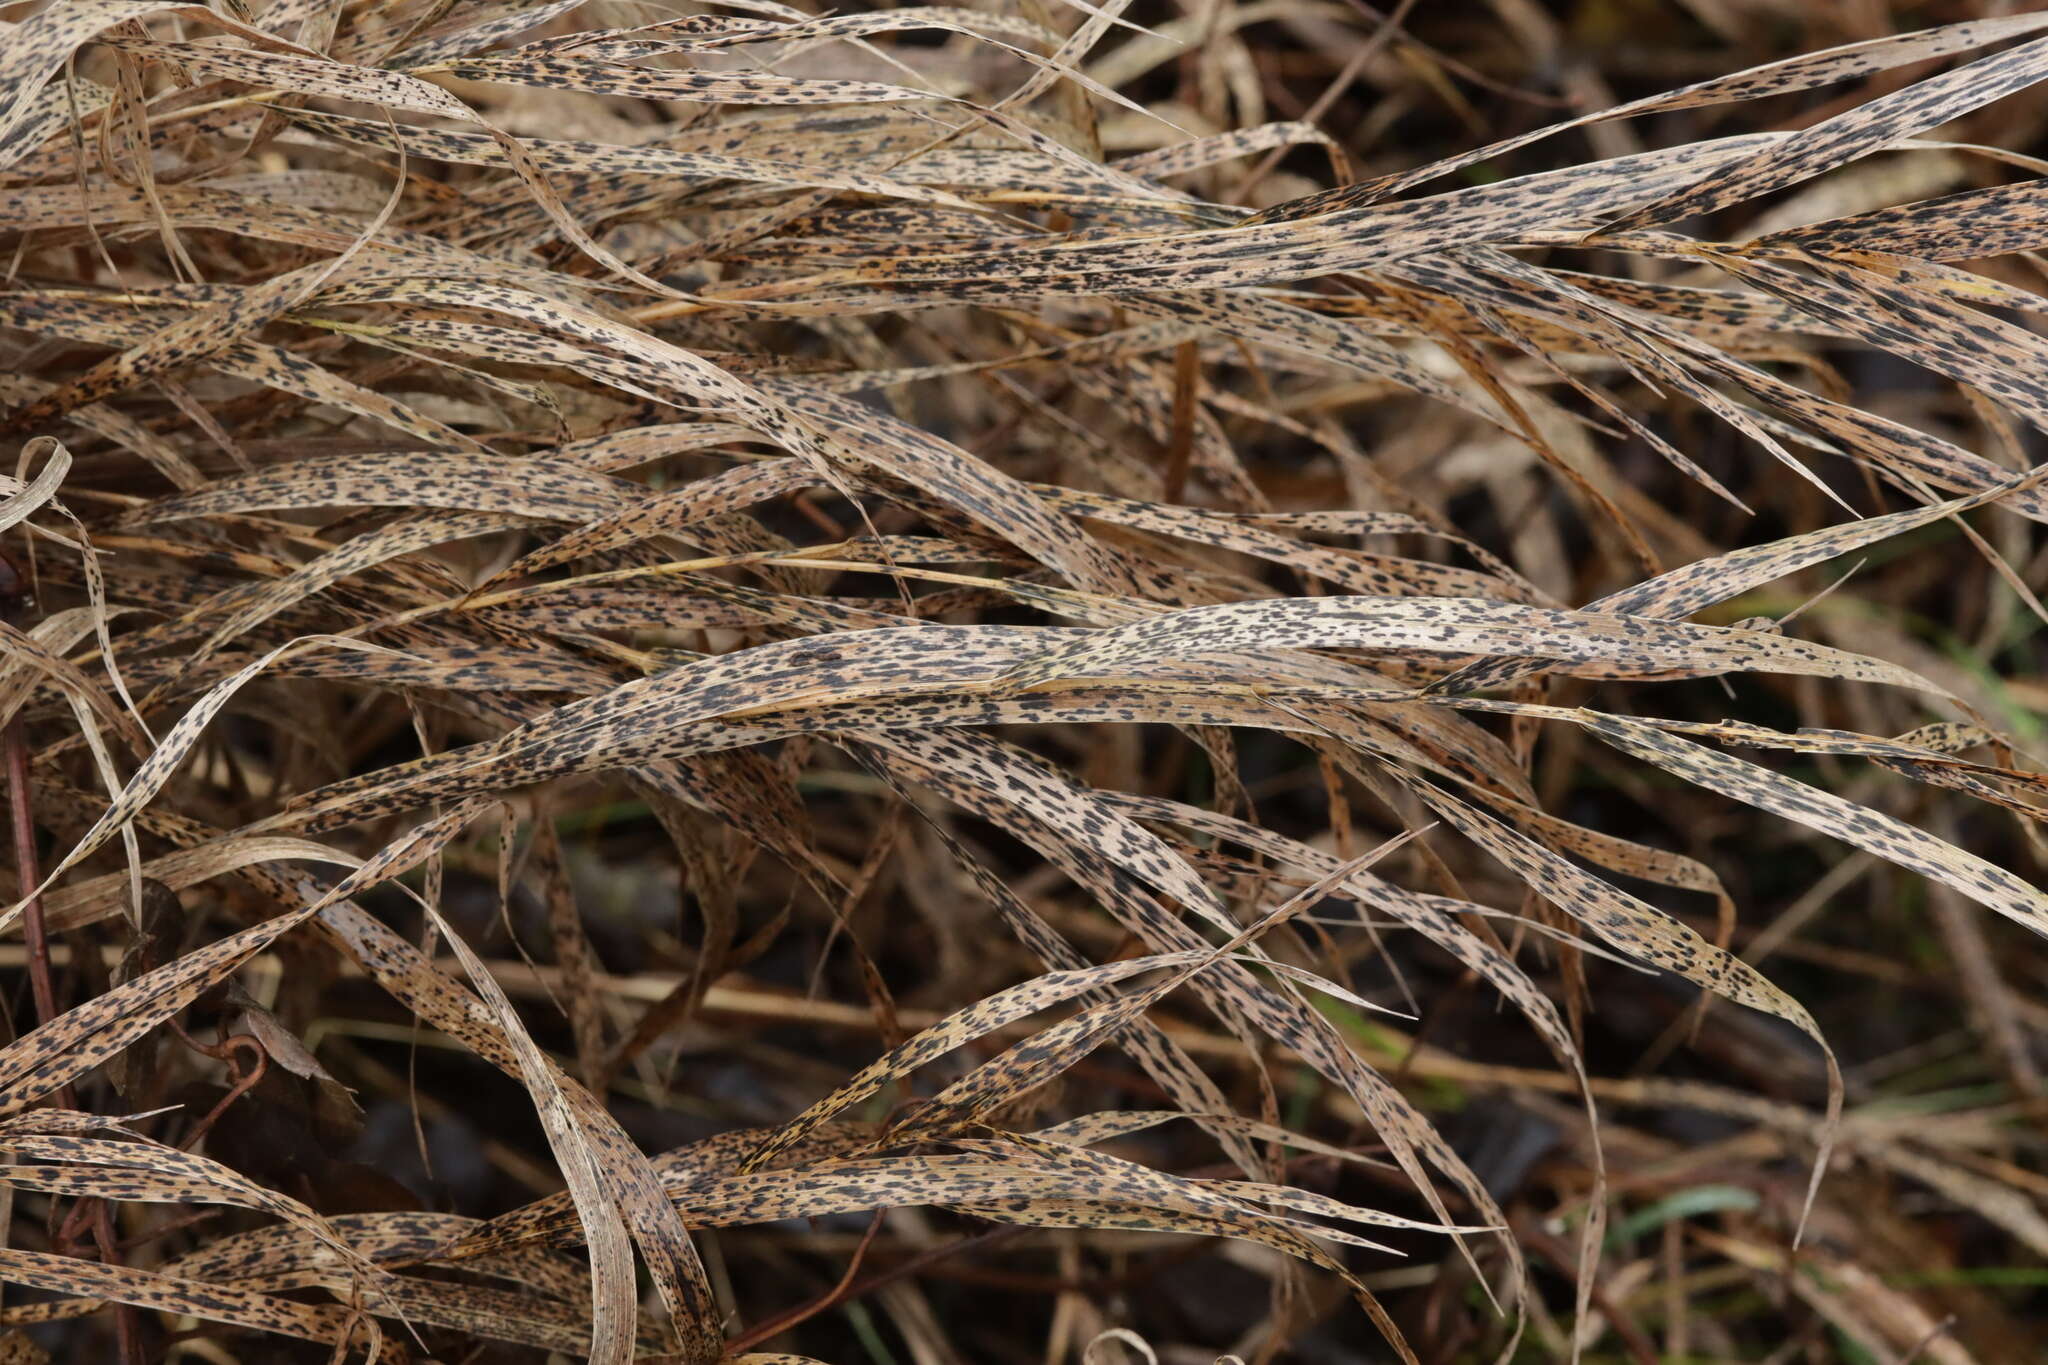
(917, 685)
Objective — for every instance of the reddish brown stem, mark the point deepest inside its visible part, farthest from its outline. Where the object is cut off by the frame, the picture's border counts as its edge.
(1187, 382)
(127, 1326)
(32, 926)
(782, 1322)
(847, 1289)
(240, 1082)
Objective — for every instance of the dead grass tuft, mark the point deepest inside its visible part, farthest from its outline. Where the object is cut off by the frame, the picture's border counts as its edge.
(936, 614)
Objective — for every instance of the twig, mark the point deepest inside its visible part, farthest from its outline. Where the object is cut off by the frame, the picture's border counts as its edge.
(782, 1322)
(845, 1292)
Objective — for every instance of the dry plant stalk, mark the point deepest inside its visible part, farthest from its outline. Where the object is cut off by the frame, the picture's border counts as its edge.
(439, 420)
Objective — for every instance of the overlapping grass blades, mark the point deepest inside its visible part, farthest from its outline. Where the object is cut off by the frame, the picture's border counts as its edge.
(730, 408)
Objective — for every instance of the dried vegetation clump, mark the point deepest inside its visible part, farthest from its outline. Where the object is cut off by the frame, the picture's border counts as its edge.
(1030, 682)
